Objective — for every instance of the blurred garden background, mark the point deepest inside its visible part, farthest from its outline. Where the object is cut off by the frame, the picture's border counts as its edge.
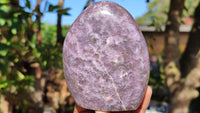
(31, 69)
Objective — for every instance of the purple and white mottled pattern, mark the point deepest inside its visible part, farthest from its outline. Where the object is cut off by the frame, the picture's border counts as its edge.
(106, 61)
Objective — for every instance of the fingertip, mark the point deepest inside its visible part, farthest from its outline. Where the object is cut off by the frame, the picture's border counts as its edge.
(146, 100)
(149, 90)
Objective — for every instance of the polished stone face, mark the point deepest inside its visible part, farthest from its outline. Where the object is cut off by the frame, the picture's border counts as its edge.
(106, 61)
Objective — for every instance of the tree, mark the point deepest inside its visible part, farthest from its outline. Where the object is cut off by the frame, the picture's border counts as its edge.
(15, 77)
(60, 38)
(182, 84)
(172, 51)
(182, 77)
(190, 60)
(60, 11)
(38, 16)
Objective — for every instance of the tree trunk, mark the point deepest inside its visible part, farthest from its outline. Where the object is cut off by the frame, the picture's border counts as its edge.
(60, 39)
(38, 67)
(172, 53)
(39, 15)
(172, 31)
(189, 59)
(183, 85)
(172, 44)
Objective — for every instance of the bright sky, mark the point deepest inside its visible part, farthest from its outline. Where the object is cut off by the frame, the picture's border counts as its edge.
(135, 7)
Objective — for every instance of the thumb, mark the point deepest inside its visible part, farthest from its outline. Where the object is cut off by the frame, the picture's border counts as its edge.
(146, 100)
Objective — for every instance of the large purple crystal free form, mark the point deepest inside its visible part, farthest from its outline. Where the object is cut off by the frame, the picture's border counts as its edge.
(106, 61)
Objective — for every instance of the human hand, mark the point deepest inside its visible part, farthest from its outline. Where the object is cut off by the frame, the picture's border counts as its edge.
(143, 107)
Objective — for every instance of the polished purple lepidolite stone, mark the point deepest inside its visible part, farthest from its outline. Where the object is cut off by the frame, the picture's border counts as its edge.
(106, 61)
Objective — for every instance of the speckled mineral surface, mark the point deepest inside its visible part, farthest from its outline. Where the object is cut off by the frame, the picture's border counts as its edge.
(106, 61)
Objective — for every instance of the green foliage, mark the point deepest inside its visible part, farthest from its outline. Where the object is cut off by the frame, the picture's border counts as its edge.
(52, 7)
(65, 30)
(158, 10)
(4, 1)
(64, 11)
(57, 8)
(51, 54)
(190, 6)
(157, 14)
(18, 50)
(49, 34)
(28, 4)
